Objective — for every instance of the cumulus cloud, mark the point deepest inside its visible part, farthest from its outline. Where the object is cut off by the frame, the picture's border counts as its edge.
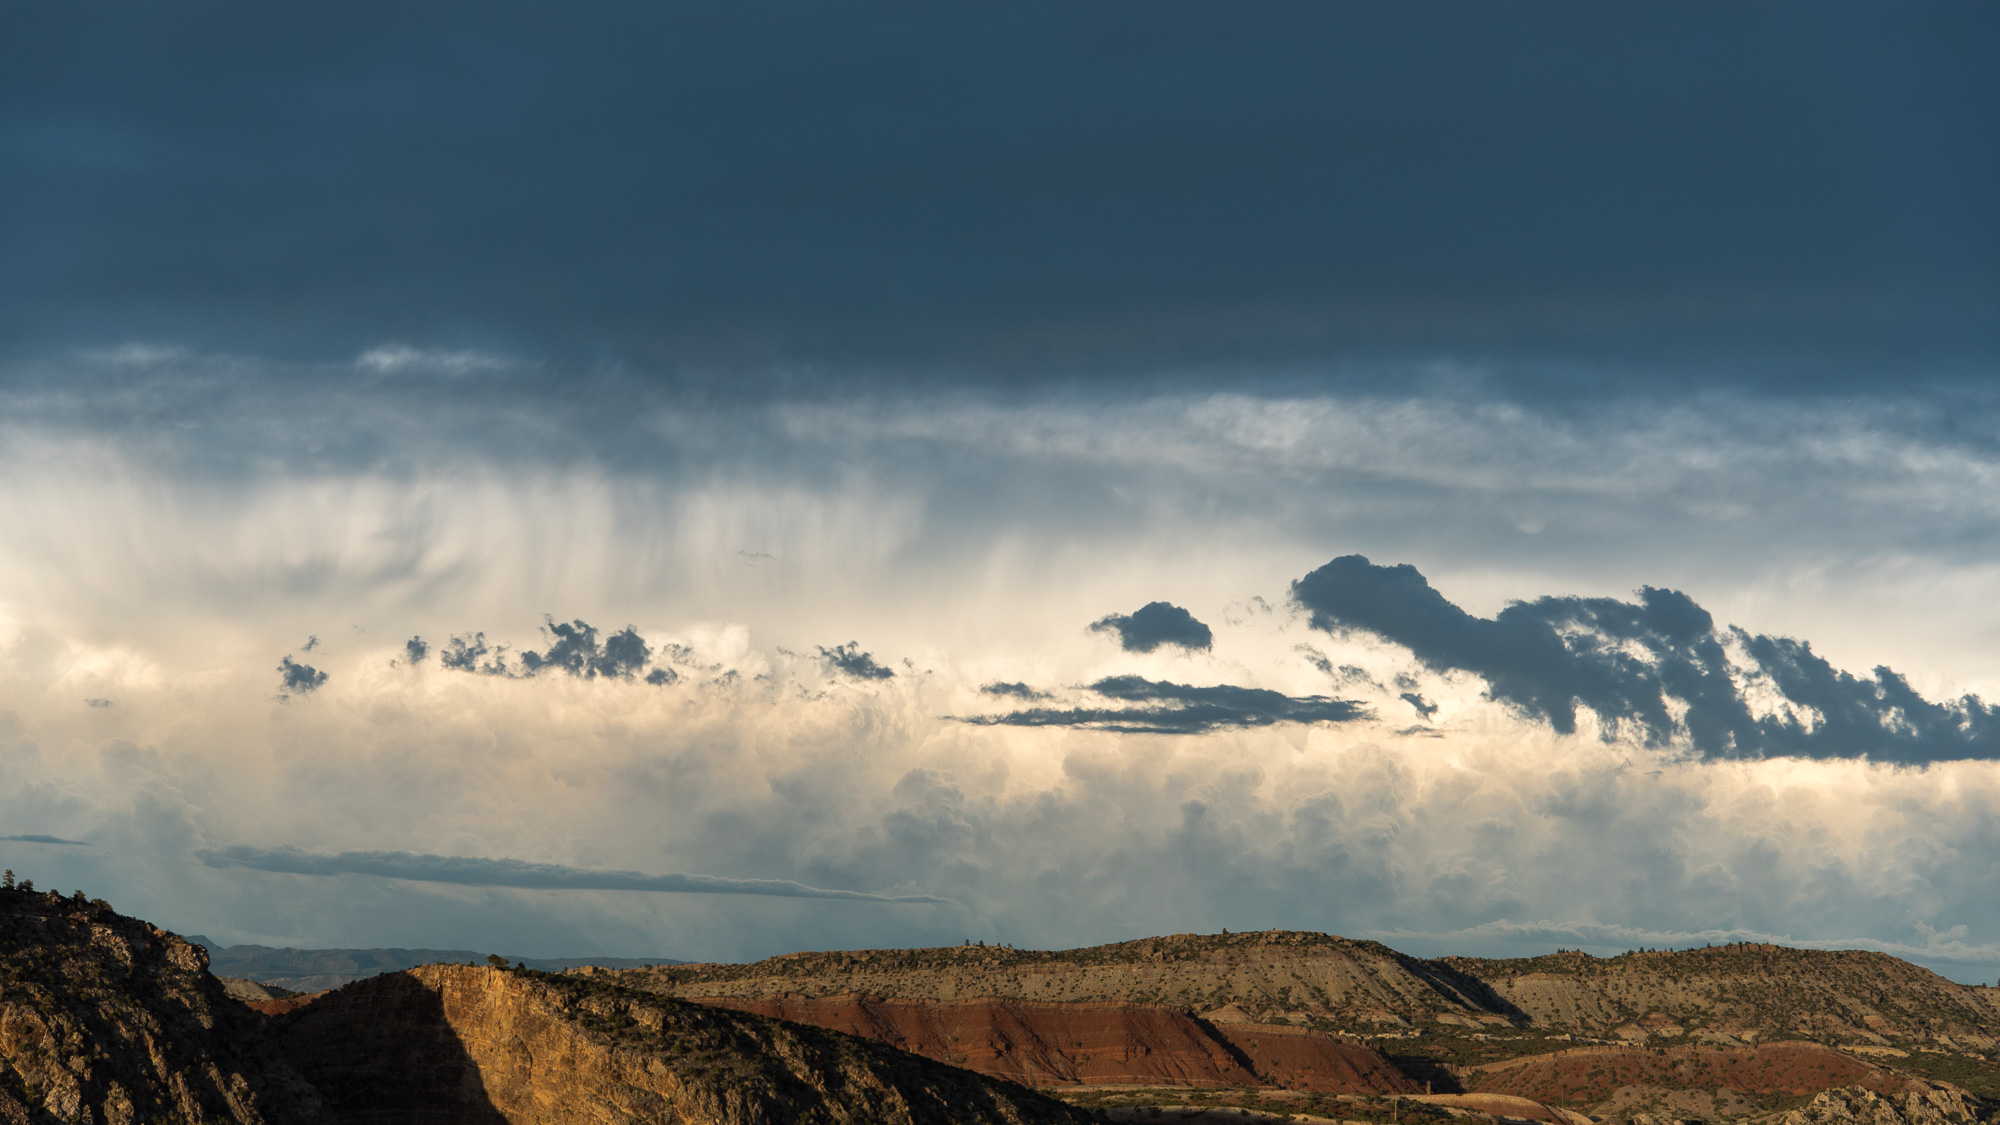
(849, 660)
(415, 649)
(977, 537)
(1658, 666)
(574, 649)
(466, 654)
(300, 678)
(473, 871)
(1155, 624)
(1167, 708)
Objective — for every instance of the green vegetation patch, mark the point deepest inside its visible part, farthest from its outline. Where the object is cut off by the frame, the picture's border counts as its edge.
(1974, 1074)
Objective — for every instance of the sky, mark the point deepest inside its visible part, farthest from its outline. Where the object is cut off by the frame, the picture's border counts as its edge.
(712, 481)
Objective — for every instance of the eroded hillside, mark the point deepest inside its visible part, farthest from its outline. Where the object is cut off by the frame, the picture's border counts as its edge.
(1721, 1032)
(1746, 991)
(483, 1045)
(1738, 993)
(106, 1020)
(1268, 977)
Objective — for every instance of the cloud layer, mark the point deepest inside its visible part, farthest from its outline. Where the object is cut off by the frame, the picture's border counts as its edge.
(1154, 707)
(1659, 668)
(1416, 774)
(1026, 188)
(470, 871)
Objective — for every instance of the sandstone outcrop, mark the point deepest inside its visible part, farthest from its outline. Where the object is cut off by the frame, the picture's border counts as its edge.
(481, 1046)
(1855, 1105)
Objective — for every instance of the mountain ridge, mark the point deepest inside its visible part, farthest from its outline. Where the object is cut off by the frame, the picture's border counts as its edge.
(108, 1020)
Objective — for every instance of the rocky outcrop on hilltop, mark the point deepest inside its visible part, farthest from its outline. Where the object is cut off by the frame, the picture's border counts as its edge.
(1855, 1105)
(105, 1019)
(480, 1045)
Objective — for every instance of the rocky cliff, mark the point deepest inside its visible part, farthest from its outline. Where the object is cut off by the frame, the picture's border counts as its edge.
(105, 1020)
(1858, 1106)
(480, 1045)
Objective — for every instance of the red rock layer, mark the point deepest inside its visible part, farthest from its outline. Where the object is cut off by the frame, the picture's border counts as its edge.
(1093, 1044)
(1299, 1059)
(280, 1007)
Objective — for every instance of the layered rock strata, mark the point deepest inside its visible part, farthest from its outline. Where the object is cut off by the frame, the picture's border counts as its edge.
(1094, 1044)
(1734, 994)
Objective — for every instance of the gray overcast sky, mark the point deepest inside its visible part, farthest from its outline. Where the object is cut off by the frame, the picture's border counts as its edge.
(651, 479)
(1035, 187)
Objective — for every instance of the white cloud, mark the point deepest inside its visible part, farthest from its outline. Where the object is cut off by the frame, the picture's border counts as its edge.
(398, 359)
(168, 566)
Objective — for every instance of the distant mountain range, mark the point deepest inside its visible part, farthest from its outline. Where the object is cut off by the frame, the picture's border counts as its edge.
(315, 970)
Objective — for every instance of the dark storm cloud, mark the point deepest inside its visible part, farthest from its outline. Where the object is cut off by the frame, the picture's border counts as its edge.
(1155, 624)
(414, 650)
(471, 871)
(1659, 667)
(1424, 707)
(849, 660)
(301, 678)
(575, 649)
(33, 838)
(1157, 707)
(470, 654)
(1014, 690)
(665, 180)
